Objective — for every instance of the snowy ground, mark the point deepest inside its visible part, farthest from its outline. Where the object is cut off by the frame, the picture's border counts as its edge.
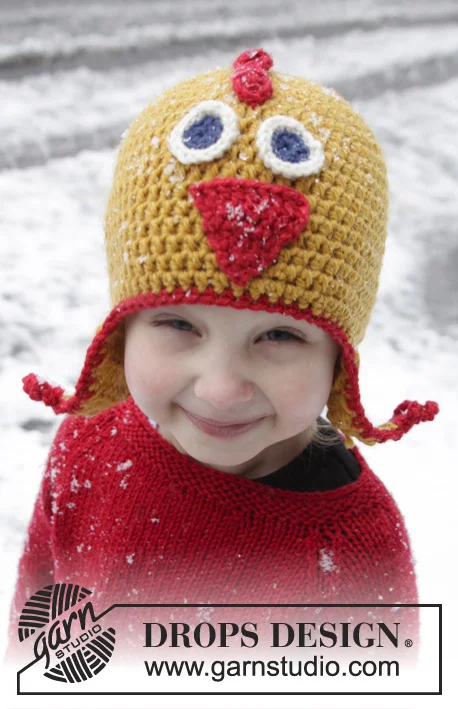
(73, 75)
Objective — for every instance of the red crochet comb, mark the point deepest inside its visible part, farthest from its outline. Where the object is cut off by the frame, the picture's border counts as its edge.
(250, 79)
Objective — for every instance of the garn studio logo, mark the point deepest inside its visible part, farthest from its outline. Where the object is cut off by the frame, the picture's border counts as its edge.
(74, 643)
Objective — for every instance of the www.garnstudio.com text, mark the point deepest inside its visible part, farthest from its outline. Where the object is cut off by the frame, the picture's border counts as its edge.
(218, 670)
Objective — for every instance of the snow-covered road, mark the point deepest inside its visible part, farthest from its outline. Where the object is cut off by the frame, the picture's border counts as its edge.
(72, 77)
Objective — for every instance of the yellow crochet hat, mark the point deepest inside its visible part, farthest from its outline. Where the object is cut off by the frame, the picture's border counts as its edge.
(246, 188)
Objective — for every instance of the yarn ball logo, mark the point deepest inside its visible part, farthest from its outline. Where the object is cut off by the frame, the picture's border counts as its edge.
(75, 645)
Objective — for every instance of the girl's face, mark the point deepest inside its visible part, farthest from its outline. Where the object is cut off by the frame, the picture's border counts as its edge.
(229, 366)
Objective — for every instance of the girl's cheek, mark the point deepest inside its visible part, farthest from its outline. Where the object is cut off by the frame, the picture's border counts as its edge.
(146, 376)
(158, 383)
(148, 365)
(305, 392)
(150, 391)
(137, 366)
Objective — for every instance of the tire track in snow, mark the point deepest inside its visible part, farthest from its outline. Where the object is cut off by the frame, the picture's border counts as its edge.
(104, 54)
(428, 72)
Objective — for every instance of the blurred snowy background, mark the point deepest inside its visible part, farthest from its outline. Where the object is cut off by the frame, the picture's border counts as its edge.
(72, 77)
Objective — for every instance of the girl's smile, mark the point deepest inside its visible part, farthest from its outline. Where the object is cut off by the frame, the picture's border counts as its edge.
(226, 431)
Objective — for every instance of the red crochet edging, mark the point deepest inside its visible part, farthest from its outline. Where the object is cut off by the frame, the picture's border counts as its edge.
(405, 416)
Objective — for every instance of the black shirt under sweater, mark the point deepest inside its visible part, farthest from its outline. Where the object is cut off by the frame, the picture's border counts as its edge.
(316, 469)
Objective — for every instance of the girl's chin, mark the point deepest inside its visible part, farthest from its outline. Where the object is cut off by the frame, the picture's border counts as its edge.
(223, 456)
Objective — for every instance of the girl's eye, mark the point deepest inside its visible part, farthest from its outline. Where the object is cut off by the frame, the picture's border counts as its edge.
(174, 322)
(289, 336)
(204, 133)
(285, 336)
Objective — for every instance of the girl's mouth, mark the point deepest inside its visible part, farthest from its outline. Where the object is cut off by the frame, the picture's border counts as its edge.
(222, 431)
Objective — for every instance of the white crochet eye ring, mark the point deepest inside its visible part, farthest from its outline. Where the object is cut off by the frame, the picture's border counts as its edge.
(288, 149)
(205, 133)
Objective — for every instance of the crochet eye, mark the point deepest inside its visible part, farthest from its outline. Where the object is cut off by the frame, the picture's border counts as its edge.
(288, 149)
(205, 133)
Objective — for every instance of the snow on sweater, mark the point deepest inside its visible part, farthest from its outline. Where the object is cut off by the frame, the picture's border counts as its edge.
(121, 512)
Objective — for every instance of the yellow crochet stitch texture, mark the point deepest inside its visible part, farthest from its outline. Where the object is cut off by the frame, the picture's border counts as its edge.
(155, 238)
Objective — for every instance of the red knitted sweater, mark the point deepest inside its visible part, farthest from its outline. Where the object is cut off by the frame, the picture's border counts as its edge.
(123, 513)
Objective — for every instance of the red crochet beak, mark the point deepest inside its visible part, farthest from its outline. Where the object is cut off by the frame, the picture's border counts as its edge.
(248, 222)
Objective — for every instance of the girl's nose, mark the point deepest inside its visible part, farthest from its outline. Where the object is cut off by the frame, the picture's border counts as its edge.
(223, 390)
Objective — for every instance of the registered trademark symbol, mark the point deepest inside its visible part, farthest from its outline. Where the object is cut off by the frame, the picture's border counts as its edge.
(408, 642)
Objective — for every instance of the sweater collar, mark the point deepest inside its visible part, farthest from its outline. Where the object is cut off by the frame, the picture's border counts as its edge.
(187, 475)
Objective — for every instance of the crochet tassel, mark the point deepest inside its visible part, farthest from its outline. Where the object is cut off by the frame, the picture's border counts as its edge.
(405, 416)
(40, 390)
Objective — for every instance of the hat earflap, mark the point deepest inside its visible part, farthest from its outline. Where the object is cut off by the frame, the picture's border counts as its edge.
(347, 414)
(101, 384)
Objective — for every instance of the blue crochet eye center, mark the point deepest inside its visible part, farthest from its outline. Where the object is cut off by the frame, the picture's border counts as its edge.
(289, 146)
(203, 133)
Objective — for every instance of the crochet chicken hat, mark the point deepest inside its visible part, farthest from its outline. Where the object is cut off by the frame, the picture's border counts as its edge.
(246, 188)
